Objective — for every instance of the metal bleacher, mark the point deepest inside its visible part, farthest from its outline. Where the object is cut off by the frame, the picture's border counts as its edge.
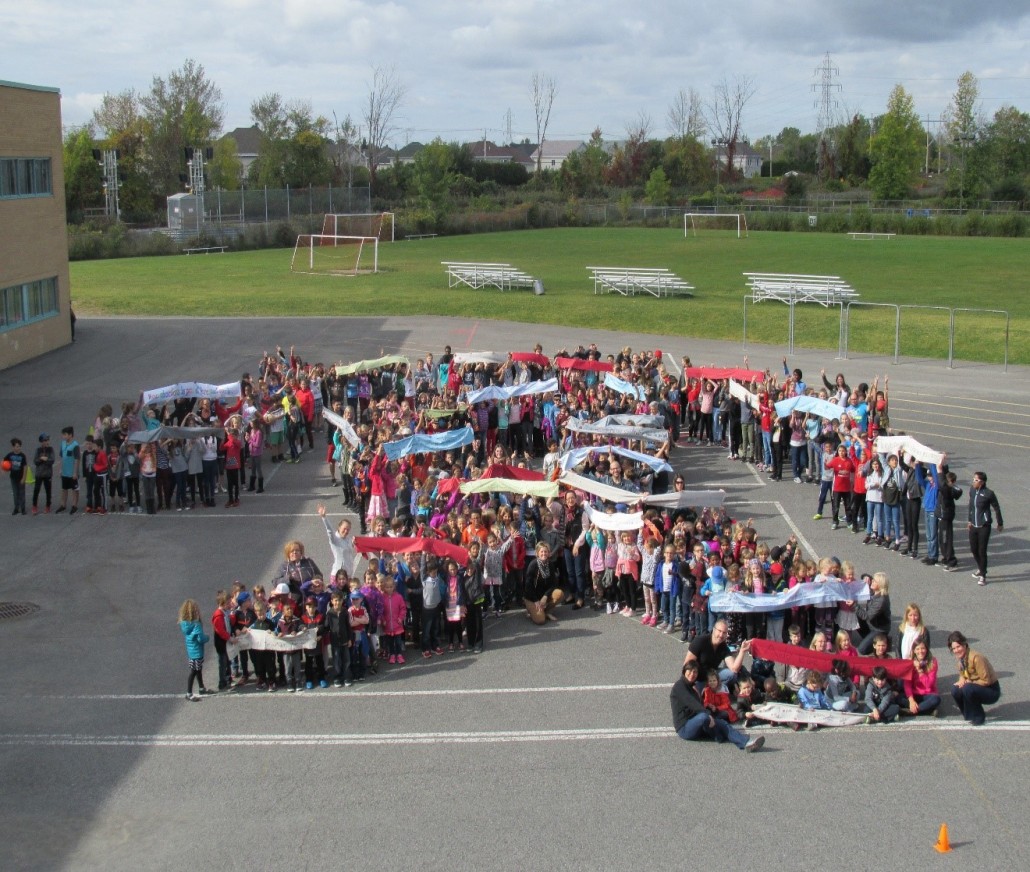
(629, 281)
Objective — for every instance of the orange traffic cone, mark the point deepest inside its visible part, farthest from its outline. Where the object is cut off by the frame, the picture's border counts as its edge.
(943, 845)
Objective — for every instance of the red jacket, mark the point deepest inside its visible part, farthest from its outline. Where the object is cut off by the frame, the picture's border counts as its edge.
(306, 401)
(218, 624)
(843, 468)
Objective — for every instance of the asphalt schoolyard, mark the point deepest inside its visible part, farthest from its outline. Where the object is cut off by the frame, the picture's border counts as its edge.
(552, 749)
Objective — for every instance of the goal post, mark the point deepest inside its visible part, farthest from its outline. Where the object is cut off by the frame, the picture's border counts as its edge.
(692, 221)
(377, 224)
(330, 254)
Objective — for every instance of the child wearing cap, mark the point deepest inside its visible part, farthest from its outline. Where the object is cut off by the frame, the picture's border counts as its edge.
(288, 626)
(16, 463)
(43, 464)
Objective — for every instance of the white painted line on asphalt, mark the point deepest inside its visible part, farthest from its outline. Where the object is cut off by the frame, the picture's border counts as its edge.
(977, 401)
(758, 477)
(951, 438)
(363, 739)
(984, 427)
(184, 740)
(313, 694)
(797, 532)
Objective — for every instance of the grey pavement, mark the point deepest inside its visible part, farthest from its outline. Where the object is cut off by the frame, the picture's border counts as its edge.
(553, 749)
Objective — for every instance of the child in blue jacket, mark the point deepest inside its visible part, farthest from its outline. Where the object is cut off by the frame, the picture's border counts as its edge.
(193, 634)
(667, 584)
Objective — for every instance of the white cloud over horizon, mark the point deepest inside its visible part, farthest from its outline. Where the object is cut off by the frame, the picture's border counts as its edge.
(466, 64)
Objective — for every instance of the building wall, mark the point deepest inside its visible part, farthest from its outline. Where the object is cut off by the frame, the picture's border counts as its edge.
(33, 232)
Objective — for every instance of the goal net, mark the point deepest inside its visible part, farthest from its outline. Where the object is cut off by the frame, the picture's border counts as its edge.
(329, 254)
(377, 224)
(711, 223)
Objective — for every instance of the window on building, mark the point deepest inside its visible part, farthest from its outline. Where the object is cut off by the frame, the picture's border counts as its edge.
(25, 177)
(32, 301)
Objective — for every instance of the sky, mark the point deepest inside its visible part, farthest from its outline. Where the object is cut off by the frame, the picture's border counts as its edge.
(466, 65)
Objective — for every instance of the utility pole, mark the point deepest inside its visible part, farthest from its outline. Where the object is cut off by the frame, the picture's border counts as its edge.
(928, 121)
(507, 127)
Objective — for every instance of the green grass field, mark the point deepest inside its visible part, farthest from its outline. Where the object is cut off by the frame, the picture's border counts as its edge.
(959, 272)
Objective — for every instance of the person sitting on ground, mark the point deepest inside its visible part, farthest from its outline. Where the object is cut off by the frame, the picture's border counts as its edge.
(692, 721)
(977, 683)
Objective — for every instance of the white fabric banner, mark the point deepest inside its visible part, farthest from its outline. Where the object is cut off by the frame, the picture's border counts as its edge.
(480, 357)
(908, 445)
(496, 392)
(687, 499)
(782, 713)
(599, 489)
(346, 430)
(655, 421)
(617, 431)
(620, 522)
(262, 640)
(823, 594)
(184, 390)
(743, 394)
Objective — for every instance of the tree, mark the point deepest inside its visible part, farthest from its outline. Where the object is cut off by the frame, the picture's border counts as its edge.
(963, 123)
(725, 111)
(1008, 136)
(897, 148)
(686, 163)
(686, 115)
(346, 152)
(83, 177)
(225, 169)
(633, 161)
(656, 192)
(384, 98)
(583, 171)
(294, 147)
(542, 91)
(184, 110)
(434, 174)
(121, 126)
(853, 149)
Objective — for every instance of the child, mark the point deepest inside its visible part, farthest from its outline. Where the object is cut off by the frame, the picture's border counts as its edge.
(244, 617)
(794, 676)
(716, 583)
(264, 661)
(921, 688)
(432, 597)
(493, 569)
(650, 581)
(193, 635)
(233, 449)
(395, 611)
(337, 621)
(841, 691)
(454, 603)
(16, 463)
(70, 456)
(667, 585)
(314, 662)
(358, 618)
(628, 572)
(748, 696)
(811, 696)
(717, 701)
(224, 628)
(475, 599)
(288, 626)
(44, 470)
(127, 471)
(881, 700)
(87, 462)
(774, 620)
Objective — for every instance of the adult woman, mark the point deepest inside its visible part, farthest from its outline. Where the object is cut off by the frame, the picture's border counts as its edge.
(921, 688)
(876, 613)
(296, 568)
(911, 631)
(542, 593)
(981, 500)
(977, 683)
(340, 543)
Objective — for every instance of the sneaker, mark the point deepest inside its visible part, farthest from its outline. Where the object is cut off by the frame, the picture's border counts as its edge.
(835, 526)
(207, 691)
(867, 540)
(797, 479)
(817, 517)
(646, 620)
(89, 510)
(928, 561)
(812, 727)
(291, 689)
(755, 744)
(309, 685)
(35, 511)
(976, 575)
(46, 510)
(669, 630)
(438, 651)
(192, 697)
(450, 649)
(348, 683)
(337, 683)
(261, 686)
(392, 659)
(981, 581)
(271, 688)
(400, 658)
(323, 684)
(73, 510)
(949, 567)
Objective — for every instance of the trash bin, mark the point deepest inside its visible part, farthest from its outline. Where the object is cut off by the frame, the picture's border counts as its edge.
(538, 287)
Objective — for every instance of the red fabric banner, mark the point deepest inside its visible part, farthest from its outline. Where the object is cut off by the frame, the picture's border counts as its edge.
(447, 485)
(576, 363)
(531, 357)
(410, 545)
(795, 655)
(503, 470)
(717, 373)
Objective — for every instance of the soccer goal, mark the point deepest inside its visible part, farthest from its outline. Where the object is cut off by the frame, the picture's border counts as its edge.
(329, 254)
(706, 221)
(377, 224)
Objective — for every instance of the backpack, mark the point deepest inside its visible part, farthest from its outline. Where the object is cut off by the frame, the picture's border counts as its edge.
(891, 491)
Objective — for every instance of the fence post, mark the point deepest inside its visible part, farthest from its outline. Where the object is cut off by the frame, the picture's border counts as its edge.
(266, 205)
(287, 202)
(897, 333)
(951, 340)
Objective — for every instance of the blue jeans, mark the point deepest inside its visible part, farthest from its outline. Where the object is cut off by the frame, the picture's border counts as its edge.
(700, 727)
(575, 572)
(931, 534)
(798, 458)
(824, 492)
(874, 518)
(210, 480)
(892, 522)
(670, 606)
(430, 628)
(971, 699)
(767, 448)
(716, 427)
(926, 704)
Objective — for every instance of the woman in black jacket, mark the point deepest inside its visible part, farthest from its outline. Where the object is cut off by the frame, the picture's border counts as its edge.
(875, 614)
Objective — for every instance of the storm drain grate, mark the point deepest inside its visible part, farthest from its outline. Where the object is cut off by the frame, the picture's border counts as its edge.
(16, 610)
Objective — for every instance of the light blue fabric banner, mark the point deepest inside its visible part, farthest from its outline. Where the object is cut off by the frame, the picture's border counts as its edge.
(624, 387)
(822, 408)
(496, 392)
(427, 443)
(577, 455)
(825, 595)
